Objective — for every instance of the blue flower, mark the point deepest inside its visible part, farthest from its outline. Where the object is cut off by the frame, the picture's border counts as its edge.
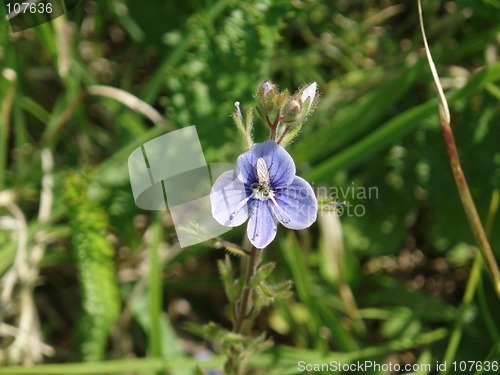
(265, 188)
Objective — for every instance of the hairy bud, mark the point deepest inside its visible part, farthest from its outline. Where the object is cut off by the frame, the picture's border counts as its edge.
(291, 111)
(266, 97)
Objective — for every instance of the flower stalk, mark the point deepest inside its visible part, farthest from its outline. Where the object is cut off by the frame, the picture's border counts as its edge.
(243, 305)
(285, 132)
(242, 314)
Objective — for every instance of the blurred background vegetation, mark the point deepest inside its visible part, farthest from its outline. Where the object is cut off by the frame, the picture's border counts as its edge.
(86, 275)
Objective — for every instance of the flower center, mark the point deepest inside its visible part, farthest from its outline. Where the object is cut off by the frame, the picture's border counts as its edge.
(262, 191)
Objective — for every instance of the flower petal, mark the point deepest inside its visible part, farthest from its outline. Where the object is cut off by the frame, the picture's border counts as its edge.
(297, 206)
(262, 226)
(309, 92)
(230, 200)
(279, 163)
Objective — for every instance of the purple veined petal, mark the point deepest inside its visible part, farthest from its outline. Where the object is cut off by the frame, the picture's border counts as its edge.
(296, 205)
(309, 92)
(279, 162)
(230, 200)
(262, 226)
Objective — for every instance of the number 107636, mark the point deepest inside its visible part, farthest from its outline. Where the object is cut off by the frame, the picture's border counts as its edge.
(28, 7)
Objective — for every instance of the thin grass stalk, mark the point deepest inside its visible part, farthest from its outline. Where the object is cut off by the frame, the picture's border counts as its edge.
(462, 186)
(472, 283)
(155, 292)
(6, 108)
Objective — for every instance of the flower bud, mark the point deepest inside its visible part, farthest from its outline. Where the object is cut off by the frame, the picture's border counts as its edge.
(308, 96)
(291, 110)
(266, 97)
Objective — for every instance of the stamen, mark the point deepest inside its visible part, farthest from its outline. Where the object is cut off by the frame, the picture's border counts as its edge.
(282, 219)
(336, 204)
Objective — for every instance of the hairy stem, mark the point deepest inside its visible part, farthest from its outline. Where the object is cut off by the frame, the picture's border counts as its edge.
(269, 123)
(245, 300)
(235, 361)
(287, 129)
(274, 125)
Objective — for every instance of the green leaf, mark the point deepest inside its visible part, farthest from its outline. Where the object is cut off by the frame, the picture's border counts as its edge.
(232, 286)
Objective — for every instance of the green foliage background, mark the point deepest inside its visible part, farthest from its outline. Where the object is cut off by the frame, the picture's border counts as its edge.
(392, 292)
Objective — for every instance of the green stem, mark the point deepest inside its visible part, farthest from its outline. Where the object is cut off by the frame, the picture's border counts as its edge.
(155, 292)
(489, 320)
(6, 108)
(472, 284)
(244, 302)
(287, 129)
(234, 364)
(456, 334)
